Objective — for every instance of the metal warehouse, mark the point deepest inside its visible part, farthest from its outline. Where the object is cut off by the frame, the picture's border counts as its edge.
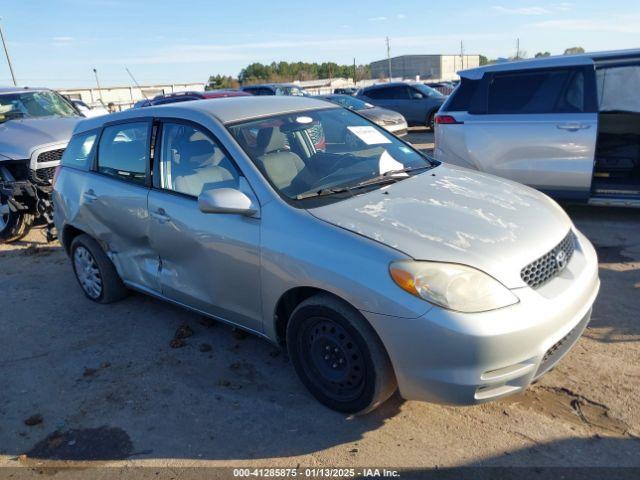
(432, 67)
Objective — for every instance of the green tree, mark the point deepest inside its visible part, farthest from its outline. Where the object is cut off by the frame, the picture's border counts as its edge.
(542, 54)
(573, 50)
(288, 72)
(222, 81)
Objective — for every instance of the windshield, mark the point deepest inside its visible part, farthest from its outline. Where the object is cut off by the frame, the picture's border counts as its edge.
(305, 153)
(428, 91)
(349, 102)
(34, 105)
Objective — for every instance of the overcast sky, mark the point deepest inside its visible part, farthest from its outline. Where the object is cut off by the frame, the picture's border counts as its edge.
(56, 43)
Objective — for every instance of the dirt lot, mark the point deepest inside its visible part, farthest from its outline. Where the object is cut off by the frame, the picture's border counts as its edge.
(102, 384)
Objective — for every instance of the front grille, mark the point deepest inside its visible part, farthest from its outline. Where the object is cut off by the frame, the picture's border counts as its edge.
(44, 174)
(562, 346)
(545, 268)
(50, 156)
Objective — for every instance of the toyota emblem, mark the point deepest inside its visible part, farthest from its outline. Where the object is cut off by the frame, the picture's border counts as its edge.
(561, 260)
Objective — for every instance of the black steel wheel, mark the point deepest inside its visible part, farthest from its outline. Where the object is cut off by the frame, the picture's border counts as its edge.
(338, 355)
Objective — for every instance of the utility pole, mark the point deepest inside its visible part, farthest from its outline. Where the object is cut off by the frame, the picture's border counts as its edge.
(6, 52)
(389, 57)
(95, 72)
(462, 54)
(517, 49)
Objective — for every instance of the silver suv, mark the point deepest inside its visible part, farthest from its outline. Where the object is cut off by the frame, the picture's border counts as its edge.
(35, 126)
(376, 266)
(569, 125)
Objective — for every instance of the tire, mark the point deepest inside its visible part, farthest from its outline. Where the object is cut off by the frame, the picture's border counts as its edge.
(338, 356)
(13, 226)
(95, 273)
(431, 121)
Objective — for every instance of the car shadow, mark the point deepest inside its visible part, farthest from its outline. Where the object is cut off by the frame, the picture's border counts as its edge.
(592, 458)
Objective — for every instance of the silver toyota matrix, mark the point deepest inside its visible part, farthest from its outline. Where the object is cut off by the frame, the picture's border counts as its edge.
(303, 222)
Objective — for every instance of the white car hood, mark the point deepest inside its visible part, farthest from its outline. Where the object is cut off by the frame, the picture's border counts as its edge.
(451, 214)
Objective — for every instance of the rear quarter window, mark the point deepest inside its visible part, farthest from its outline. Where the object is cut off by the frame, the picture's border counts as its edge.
(79, 152)
(536, 91)
(462, 96)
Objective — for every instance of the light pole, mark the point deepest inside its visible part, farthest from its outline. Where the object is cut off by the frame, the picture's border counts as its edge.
(6, 52)
(95, 72)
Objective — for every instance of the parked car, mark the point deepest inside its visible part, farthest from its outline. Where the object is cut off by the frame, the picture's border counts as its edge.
(35, 126)
(189, 96)
(375, 265)
(88, 111)
(415, 101)
(568, 125)
(388, 119)
(145, 102)
(444, 88)
(345, 91)
(275, 89)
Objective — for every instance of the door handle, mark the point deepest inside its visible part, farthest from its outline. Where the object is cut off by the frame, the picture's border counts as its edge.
(160, 215)
(89, 196)
(573, 127)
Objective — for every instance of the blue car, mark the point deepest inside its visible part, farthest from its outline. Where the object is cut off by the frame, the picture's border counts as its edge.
(415, 101)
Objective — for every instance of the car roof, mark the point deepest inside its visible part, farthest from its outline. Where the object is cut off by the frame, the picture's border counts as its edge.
(21, 89)
(550, 62)
(225, 110)
(388, 84)
(272, 85)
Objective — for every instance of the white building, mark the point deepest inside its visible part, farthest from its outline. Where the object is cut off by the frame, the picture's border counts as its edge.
(426, 67)
(125, 97)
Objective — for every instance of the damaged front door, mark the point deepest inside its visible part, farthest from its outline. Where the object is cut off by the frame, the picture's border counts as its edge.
(208, 261)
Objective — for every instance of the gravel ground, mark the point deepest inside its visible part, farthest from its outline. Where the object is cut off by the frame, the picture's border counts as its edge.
(100, 385)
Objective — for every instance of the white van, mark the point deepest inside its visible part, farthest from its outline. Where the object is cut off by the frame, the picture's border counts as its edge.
(566, 125)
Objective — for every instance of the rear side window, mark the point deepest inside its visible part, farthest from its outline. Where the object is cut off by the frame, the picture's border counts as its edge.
(462, 96)
(78, 152)
(543, 91)
(124, 152)
(388, 93)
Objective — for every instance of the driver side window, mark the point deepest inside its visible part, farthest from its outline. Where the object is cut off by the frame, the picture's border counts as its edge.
(191, 162)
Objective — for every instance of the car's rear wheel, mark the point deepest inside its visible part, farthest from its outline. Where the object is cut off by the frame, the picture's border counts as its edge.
(94, 271)
(13, 226)
(338, 356)
(431, 121)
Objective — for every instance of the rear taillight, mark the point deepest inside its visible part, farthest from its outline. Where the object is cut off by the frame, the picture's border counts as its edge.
(446, 120)
(55, 175)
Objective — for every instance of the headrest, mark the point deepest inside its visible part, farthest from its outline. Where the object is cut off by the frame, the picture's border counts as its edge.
(270, 139)
(196, 148)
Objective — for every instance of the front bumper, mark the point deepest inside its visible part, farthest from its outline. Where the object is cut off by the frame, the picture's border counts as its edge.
(464, 359)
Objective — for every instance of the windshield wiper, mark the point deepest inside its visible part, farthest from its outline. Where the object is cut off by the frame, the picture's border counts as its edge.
(320, 193)
(386, 177)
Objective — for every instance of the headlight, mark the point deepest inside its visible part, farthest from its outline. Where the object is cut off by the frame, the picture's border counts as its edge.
(452, 286)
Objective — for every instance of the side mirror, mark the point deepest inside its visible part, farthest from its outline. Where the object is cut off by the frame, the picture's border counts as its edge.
(225, 200)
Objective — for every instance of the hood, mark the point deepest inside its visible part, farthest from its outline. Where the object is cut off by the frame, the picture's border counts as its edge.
(378, 114)
(451, 214)
(19, 138)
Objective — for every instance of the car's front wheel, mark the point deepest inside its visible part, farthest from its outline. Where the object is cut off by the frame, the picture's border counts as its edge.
(338, 355)
(13, 226)
(95, 273)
